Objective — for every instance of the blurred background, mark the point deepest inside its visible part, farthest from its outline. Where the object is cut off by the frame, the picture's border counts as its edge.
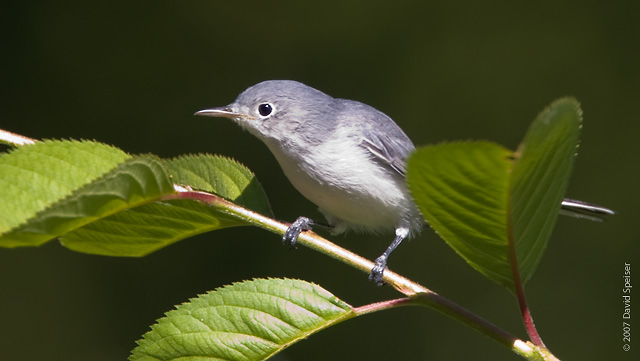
(132, 74)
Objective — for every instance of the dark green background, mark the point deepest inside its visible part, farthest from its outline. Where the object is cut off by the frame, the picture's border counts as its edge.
(132, 73)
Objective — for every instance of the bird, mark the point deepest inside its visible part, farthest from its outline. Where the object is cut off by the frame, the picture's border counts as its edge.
(346, 157)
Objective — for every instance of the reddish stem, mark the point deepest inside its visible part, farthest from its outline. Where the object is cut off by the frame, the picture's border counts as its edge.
(522, 300)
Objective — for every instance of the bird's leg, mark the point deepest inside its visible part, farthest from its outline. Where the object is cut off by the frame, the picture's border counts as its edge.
(377, 272)
(291, 235)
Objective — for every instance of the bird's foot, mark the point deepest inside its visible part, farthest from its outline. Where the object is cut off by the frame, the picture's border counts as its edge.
(291, 235)
(377, 272)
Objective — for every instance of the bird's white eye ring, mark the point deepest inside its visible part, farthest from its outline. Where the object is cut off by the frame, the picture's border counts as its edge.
(265, 109)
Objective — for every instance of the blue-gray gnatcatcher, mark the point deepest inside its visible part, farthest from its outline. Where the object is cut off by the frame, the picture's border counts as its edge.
(345, 156)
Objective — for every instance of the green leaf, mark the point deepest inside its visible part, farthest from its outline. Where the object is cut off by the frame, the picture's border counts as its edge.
(484, 200)
(118, 212)
(137, 181)
(460, 189)
(147, 228)
(33, 177)
(251, 320)
(540, 178)
(222, 176)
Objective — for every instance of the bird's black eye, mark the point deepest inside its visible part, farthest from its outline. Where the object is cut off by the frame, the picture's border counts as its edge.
(265, 109)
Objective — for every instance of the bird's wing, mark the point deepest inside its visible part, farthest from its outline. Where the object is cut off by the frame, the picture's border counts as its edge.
(387, 142)
(377, 133)
(385, 152)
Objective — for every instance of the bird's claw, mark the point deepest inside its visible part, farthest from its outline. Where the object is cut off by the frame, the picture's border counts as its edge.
(291, 235)
(377, 272)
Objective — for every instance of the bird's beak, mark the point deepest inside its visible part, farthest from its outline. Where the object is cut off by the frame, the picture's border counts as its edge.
(222, 112)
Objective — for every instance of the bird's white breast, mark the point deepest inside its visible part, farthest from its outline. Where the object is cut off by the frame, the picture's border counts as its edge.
(342, 178)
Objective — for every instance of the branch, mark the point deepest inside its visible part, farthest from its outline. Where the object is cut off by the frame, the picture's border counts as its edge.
(417, 294)
(14, 139)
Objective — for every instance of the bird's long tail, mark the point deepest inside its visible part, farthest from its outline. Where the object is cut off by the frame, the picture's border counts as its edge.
(584, 210)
